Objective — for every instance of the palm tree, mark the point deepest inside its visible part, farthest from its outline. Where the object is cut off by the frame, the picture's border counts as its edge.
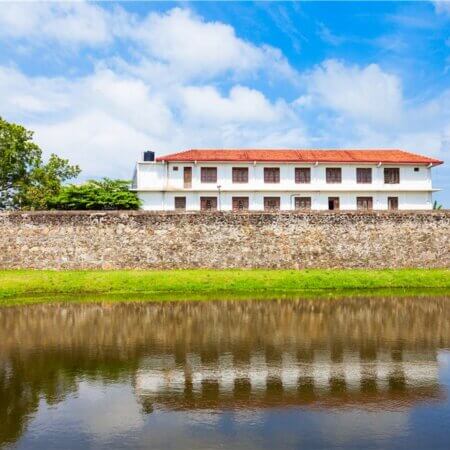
(436, 205)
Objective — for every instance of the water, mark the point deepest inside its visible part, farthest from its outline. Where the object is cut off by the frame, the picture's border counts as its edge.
(352, 373)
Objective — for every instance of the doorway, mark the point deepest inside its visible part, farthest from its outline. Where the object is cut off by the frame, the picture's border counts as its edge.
(333, 203)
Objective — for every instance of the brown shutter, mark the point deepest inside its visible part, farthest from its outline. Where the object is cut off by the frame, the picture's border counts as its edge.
(334, 174)
(187, 177)
(271, 203)
(240, 174)
(240, 203)
(180, 203)
(303, 175)
(208, 175)
(302, 202)
(271, 175)
(392, 203)
(364, 203)
(208, 203)
(392, 175)
(364, 175)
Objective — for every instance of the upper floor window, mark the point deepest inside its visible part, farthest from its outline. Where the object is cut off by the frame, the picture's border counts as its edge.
(363, 175)
(209, 174)
(240, 174)
(271, 175)
(303, 175)
(334, 175)
(392, 175)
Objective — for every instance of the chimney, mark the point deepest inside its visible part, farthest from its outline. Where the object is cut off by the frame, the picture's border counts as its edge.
(149, 156)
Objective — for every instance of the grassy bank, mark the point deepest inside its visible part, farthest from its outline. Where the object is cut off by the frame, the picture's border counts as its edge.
(182, 283)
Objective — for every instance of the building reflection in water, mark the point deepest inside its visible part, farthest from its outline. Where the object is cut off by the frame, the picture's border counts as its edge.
(378, 354)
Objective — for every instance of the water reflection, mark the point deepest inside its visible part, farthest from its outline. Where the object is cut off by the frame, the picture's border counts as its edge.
(119, 371)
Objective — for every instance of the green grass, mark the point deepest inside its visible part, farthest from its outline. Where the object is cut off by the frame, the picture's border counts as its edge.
(173, 284)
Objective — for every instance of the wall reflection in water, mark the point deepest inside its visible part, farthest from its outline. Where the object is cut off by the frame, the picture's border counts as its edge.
(375, 354)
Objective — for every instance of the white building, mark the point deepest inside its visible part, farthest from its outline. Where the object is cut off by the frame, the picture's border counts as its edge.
(258, 180)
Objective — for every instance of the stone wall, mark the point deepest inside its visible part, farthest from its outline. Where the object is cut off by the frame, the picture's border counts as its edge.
(81, 240)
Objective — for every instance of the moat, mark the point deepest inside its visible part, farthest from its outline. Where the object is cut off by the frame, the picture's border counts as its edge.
(290, 373)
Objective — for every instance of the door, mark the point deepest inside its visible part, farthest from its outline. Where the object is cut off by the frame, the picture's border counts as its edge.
(240, 203)
(393, 203)
(333, 203)
(364, 203)
(271, 203)
(302, 202)
(187, 177)
(208, 203)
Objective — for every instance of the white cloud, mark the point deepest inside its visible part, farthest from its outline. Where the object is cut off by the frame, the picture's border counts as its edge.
(194, 46)
(367, 92)
(242, 105)
(75, 23)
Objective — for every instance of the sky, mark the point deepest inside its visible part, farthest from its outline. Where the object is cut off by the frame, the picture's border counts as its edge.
(99, 83)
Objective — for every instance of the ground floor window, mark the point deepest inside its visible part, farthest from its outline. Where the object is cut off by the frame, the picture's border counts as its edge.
(302, 202)
(240, 203)
(393, 203)
(208, 203)
(180, 203)
(333, 203)
(271, 203)
(364, 203)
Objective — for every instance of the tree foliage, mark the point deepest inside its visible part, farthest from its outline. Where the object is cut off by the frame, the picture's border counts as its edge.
(105, 194)
(26, 182)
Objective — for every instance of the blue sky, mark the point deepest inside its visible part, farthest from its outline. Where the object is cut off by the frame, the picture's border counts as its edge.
(101, 82)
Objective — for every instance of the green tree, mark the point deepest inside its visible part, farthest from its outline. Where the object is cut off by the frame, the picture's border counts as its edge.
(436, 205)
(25, 181)
(105, 194)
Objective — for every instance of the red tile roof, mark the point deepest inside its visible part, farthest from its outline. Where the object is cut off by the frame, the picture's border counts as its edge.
(330, 156)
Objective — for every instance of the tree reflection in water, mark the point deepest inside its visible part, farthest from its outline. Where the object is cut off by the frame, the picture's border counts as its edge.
(365, 353)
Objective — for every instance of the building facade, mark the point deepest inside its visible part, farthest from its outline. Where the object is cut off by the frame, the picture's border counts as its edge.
(271, 180)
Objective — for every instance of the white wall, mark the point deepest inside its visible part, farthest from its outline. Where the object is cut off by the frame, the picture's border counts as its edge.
(153, 176)
(157, 201)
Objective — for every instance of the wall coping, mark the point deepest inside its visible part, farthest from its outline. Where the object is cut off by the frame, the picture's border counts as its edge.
(121, 213)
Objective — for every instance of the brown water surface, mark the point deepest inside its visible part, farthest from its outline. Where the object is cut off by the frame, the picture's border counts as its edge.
(349, 373)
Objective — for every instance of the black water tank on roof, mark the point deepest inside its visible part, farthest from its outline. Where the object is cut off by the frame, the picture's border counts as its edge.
(149, 156)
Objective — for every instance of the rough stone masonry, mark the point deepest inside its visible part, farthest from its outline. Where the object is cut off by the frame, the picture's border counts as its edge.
(146, 240)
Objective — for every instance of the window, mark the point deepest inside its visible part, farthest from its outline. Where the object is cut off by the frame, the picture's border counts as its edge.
(333, 203)
(363, 175)
(240, 174)
(303, 175)
(209, 174)
(334, 175)
(393, 203)
(208, 203)
(180, 203)
(187, 177)
(271, 203)
(391, 175)
(364, 203)
(240, 203)
(175, 168)
(416, 169)
(271, 175)
(302, 202)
